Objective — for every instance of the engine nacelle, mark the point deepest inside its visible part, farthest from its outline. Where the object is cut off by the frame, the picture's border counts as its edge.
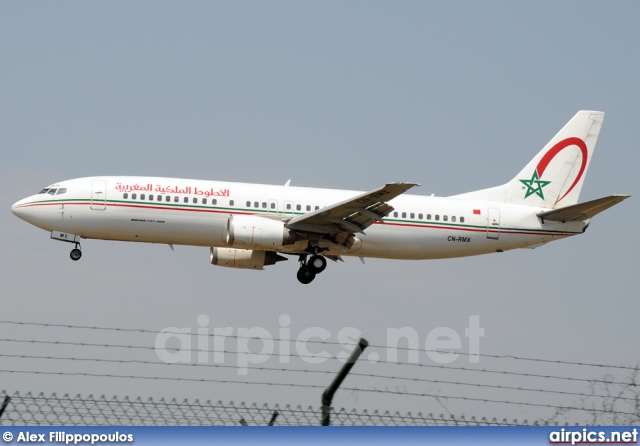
(249, 232)
(243, 258)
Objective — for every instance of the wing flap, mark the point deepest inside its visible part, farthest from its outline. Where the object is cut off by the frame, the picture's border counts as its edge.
(582, 211)
(352, 216)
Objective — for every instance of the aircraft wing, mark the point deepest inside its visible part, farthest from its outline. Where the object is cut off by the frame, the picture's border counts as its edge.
(582, 211)
(342, 220)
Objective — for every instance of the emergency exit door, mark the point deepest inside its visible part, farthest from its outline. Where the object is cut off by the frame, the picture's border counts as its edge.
(493, 223)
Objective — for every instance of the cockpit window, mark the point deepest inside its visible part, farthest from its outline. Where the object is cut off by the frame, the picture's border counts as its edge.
(53, 190)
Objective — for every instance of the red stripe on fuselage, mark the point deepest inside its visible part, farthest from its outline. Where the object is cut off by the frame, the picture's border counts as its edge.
(216, 211)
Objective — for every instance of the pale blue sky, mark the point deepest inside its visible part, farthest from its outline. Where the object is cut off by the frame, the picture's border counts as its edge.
(456, 96)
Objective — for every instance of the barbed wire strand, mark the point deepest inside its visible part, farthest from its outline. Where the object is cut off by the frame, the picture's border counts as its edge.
(438, 366)
(323, 372)
(373, 346)
(314, 386)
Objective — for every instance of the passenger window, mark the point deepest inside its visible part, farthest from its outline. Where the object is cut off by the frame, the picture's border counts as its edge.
(195, 200)
(308, 208)
(159, 197)
(256, 204)
(412, 215)
(248, 204)
(61, 191)
(176, 199)
(213, 201)
(317, 207)
(298, 207)
(428, 216)
(231, 202)
(150, 197)
(288, 206)
(142, 196)
(134, 196)
(453, 219)
(395, 214)
(437, 217)
(419, 216)
(125, 195)
(273, 205)
(186, 199)
(404, 215)
(461, 219)
(168, 199)
(445, 218)
(264, 205)
(204, 201)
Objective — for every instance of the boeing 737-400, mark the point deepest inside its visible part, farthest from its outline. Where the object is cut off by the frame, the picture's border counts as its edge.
(253, 225)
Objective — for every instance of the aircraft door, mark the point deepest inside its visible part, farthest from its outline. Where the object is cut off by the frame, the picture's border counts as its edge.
(493, 223)
(99, 195)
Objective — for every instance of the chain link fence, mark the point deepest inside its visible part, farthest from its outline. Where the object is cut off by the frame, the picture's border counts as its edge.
(45, 410)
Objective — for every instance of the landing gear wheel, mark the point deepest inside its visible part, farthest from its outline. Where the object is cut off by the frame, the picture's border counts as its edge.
(317, 263)
(75, 254)
(305, 275)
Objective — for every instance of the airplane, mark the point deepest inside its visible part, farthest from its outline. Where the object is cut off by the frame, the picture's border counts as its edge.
(251, 226)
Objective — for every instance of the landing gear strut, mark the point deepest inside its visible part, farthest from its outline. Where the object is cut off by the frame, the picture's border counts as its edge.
(309, 269)
(76, 253)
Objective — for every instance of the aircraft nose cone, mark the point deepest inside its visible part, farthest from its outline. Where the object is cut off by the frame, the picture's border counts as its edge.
(25, 210)
(17, 209)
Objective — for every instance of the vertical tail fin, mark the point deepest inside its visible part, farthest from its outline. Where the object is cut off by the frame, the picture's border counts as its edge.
(554, 178)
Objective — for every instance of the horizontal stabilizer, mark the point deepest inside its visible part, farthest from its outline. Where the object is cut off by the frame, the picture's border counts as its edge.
(582, 211)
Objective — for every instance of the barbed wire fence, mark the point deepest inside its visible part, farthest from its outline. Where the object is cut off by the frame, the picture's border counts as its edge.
(45, 410)
(612, 396)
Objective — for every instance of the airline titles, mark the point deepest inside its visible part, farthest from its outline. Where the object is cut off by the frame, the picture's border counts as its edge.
(171, 189)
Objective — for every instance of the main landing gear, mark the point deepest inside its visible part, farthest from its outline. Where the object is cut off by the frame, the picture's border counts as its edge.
(76, 253)
(309, 268)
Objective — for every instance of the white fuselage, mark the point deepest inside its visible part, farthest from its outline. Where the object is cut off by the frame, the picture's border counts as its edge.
(196, 212)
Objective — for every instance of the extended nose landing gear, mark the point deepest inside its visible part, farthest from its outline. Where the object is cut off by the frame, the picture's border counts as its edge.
(309, 269)
(76, 253)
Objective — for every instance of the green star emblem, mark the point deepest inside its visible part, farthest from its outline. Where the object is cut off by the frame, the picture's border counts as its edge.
(534, 185)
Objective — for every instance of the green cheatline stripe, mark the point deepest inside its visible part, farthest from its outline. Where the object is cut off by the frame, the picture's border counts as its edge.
(458, 225)
(266, 211)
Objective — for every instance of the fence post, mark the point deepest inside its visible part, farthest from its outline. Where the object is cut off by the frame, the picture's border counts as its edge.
(327, 395)
(271, 422)
(5, 403)
(273, 418)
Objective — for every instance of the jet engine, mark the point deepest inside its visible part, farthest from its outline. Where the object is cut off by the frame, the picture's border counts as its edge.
(244, 258)
(250, 232)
